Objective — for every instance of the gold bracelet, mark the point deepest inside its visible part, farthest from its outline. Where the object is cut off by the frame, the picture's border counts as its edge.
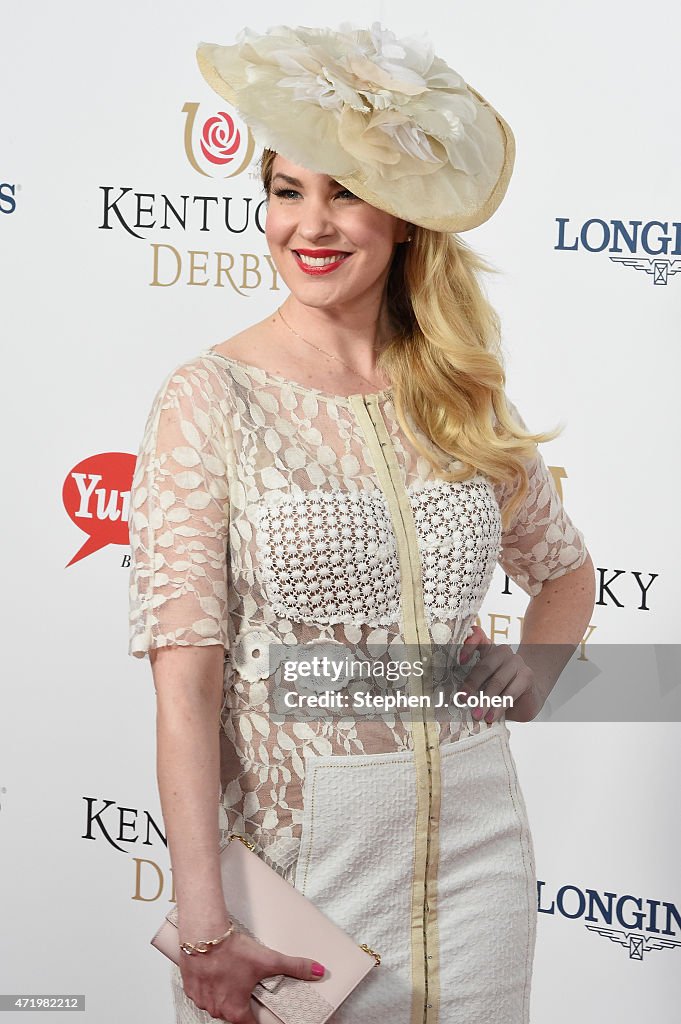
(203, 945)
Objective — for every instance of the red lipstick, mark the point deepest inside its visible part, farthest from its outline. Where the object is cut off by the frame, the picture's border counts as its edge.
(327, 268)
(321, 252)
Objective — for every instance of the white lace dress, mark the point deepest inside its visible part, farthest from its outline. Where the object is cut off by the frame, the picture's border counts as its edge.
(265, 512)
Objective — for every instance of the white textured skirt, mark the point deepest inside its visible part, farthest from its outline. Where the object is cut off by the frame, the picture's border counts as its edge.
(356, 863)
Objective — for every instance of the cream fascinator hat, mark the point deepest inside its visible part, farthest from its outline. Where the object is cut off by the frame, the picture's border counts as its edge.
(383, 116)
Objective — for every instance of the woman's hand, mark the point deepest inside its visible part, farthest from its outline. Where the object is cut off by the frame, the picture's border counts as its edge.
(500, 672)
(222, 980)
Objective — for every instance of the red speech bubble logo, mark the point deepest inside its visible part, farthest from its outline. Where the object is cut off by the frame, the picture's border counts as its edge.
(96, 496)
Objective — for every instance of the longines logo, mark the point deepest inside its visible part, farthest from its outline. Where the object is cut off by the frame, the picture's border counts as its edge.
(658, 239)
(220, 147)
(644, 925)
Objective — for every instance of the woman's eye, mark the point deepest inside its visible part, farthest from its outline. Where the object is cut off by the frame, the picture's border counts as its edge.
(285, 192)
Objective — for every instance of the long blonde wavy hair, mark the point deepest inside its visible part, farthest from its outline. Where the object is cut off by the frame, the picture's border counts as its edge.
(445, 363)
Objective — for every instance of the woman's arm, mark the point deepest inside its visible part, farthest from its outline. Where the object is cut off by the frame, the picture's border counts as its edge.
(179, 615)
(553, 626)
(544, 553)
(189, 688)
(188, 682)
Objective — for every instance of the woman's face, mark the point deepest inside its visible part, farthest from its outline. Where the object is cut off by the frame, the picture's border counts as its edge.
(315, 214)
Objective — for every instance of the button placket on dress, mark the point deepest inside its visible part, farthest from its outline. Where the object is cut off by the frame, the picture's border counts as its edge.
(424, 935)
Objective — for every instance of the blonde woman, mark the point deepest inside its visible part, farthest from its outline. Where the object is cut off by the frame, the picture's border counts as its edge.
(346, 473)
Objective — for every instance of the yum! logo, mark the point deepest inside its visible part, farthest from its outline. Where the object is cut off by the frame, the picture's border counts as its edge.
(96, 496)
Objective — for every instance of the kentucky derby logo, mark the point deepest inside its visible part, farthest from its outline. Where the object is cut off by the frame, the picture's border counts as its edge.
(652, 246)
(644, 925)
(215, 146)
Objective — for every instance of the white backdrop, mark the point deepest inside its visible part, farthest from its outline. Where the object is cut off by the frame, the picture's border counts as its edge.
(94, 103)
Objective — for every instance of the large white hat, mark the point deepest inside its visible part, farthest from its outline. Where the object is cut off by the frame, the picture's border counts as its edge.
(383, 116)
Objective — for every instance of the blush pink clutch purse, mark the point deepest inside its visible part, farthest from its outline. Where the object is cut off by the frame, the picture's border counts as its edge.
(272, 911)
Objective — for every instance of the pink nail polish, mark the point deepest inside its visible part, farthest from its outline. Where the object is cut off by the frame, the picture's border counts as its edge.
(477, 713)
(489, 717)
(317, 970)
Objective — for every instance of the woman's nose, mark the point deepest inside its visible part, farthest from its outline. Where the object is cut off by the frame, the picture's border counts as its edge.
(315, 218)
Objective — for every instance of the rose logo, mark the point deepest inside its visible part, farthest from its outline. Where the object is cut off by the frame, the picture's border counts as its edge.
(220, 139)
(223, 149)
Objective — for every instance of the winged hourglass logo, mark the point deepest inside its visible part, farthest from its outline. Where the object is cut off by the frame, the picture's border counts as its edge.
(660, 269)
(638, 944)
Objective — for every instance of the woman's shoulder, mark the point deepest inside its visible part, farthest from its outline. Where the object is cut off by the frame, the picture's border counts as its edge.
(247, 359)
(252, 345)
(215, 359)
(206, 378)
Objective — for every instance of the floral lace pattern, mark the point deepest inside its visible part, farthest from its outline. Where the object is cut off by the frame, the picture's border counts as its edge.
(542, 543)
(257, 519)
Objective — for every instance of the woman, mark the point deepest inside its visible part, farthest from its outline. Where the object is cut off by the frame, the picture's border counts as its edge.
(348, 472)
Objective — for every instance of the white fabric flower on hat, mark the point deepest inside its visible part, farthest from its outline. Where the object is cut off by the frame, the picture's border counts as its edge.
(364, 71)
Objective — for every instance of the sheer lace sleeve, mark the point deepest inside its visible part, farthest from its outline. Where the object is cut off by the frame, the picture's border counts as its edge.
(179, 519)
(541, 543)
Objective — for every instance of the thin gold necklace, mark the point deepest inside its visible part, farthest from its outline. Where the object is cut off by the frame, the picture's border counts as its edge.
(329, 354)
